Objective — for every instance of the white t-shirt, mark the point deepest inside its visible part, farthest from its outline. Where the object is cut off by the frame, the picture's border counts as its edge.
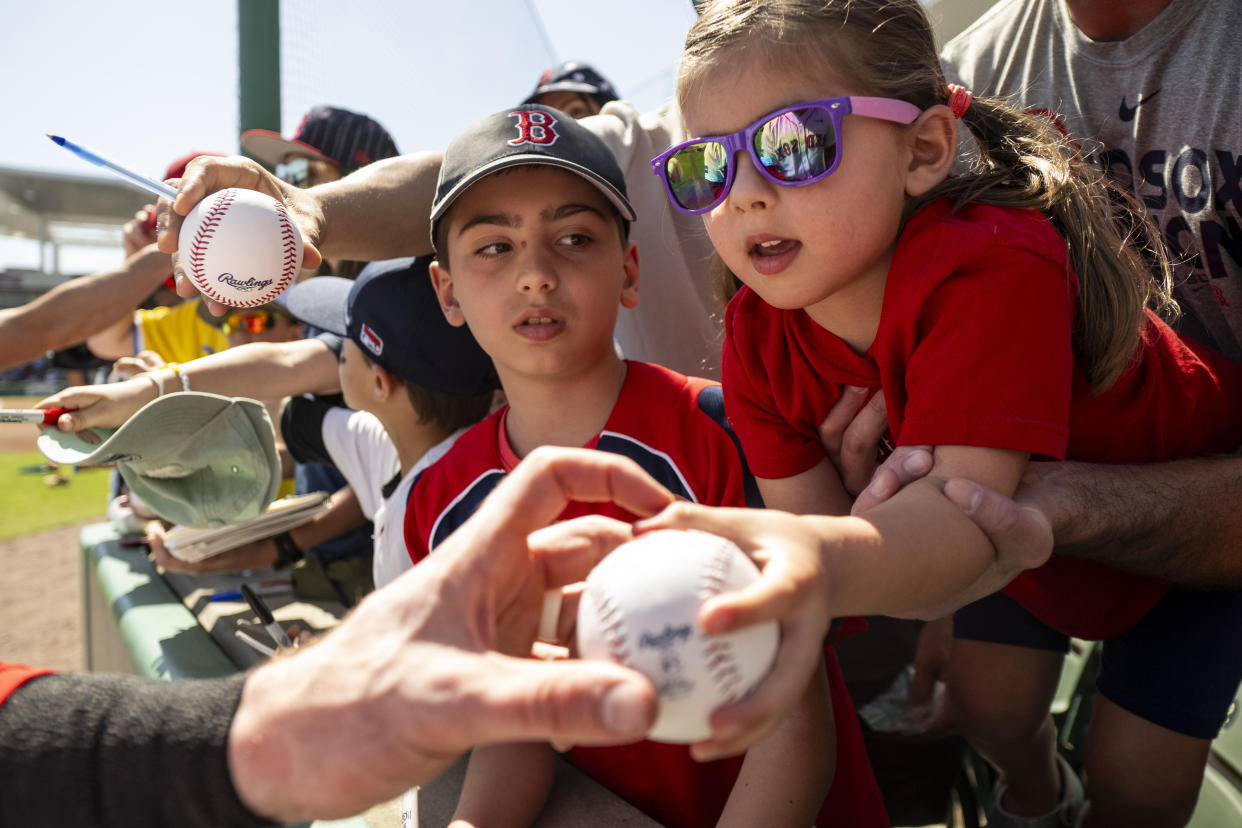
(366, 457)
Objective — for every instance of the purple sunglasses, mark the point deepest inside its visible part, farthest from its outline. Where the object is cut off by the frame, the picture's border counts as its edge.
(790, 147)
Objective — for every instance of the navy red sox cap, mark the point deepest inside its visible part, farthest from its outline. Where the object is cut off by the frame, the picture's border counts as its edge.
(529, 134)
(345, 139)
(392, 313)
(574, 76)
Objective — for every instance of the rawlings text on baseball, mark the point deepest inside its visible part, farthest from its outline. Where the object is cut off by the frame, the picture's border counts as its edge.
(640, 608)
(240, 248)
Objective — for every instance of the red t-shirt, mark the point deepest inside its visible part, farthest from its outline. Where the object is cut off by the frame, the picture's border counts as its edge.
(974, 348)
(673, 427)
(13, 676)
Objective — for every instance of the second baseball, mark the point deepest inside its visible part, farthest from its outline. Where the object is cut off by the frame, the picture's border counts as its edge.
(240, 248)
(640, 608)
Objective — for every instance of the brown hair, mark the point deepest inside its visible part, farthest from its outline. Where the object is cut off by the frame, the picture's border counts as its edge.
(887, 47)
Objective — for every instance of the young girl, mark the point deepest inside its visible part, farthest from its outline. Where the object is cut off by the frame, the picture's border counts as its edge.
(1002, 314)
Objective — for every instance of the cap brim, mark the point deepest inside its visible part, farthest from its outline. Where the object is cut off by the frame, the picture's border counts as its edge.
(610, 192)
(563, 86)
(322, 301)
(272, 148)
(74, 448)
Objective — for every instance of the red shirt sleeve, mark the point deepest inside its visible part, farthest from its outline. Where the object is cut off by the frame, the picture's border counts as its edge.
(13, 676)
(994, 362)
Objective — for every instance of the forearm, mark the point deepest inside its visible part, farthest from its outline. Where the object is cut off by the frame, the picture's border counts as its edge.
(116, 750)
(382, 211)
(270, 369)
(909, 553)
(1179, 521)
(785, 776)
(506, 785)
(75, 310)
(342, 514)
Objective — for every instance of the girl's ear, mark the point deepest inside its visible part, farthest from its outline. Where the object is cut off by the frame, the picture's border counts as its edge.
(442, 281)
(933, 148)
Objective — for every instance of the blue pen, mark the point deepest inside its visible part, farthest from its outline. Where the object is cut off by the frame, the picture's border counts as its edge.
(158, 188)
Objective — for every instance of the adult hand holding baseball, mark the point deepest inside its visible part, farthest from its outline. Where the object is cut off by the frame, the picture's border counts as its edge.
(792, 590)
(206, 175)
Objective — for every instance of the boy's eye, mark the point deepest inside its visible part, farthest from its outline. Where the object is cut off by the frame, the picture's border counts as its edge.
(493, 249)
(575, 239)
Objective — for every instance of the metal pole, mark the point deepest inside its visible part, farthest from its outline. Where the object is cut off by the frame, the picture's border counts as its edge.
(258, 59)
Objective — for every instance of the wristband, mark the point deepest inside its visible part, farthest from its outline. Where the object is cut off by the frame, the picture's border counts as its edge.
(287, 551)
(176, 369)
(156, 380)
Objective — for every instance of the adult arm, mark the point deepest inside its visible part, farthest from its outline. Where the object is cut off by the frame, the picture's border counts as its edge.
(412, 678)
(70, 312)
(1178, 521)
(381, 211)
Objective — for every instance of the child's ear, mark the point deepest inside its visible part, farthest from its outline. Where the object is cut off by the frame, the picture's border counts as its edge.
(933, 148)
(382, 383)
(442, 281)
(629, 288)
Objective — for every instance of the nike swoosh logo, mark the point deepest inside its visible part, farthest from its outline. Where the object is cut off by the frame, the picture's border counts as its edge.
(1126, 113)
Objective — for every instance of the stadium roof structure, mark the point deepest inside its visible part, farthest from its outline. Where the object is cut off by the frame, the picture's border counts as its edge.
(30, 200)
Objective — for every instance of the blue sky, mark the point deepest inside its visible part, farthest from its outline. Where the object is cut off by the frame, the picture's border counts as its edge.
(144, 81)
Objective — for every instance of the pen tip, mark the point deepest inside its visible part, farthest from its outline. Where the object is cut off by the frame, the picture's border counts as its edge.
(56, 139)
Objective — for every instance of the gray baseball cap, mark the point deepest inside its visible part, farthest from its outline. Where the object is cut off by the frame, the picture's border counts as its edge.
(196, 459)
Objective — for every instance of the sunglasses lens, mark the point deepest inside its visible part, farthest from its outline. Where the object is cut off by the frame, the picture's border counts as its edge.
(295, 172)
(697, 174)
(798, 145)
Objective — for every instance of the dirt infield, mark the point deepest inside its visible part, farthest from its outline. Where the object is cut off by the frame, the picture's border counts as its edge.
(40, 580)
(41, 599)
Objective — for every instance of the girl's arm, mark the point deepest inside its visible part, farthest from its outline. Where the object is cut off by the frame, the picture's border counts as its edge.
(914, 552)
(940, 556)
(506, 785)
(817, 491)
(785, 777)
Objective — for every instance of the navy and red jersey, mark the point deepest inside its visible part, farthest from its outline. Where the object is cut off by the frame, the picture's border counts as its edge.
(674, 427)
(974, 348)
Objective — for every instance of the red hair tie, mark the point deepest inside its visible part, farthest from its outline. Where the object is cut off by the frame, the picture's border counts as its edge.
(959, 99)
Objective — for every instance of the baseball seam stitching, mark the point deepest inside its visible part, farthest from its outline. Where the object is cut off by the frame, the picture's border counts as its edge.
(718, 654)
(203, 235)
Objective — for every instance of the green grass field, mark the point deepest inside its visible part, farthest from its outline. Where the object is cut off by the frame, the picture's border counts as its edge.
(29, 505)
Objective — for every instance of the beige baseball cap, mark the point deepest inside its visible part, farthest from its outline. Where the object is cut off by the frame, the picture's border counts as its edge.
(195, 459)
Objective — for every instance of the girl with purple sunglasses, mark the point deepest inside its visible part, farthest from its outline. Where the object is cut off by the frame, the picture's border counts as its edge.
(1006, 310)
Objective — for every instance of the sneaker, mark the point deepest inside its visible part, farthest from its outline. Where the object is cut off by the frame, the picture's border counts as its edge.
(1067, 814)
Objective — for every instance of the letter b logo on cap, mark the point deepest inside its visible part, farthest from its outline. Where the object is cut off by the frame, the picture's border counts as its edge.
(534, 128)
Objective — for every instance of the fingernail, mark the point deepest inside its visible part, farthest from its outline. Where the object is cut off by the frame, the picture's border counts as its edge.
(857, 389)
(915, 463)
(624, 708)
(974, 500)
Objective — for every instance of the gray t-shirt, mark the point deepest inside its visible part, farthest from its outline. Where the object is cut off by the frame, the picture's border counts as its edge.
(1159, 110)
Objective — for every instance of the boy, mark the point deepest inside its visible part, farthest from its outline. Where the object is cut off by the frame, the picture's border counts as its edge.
(530, 224)
(413, 382)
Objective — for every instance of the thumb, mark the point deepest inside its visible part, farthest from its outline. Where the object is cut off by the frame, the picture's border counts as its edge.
(568, 702)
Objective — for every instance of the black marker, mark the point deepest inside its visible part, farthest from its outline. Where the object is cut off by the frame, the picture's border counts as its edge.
(266, 618)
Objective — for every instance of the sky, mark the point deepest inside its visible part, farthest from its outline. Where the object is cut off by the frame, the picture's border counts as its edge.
(145, 81)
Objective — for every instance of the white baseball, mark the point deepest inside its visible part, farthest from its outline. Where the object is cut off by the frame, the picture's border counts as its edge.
(240, 247)
(640, 608)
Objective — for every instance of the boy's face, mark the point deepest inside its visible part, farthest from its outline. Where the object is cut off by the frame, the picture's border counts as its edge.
(538, 271)
(355, 375)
